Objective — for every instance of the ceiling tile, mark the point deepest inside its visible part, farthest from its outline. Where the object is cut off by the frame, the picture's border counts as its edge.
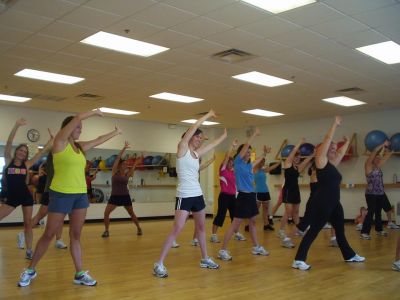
(12, 35)
(120, 7)
(48, 8)
(270, 27)
(351, 7)
(201, 27)
(23, 21)
(171, 39)
(48, 43)
(136, 29)
(336, 28)
(199, 7)
(68, 31)
(382, 16)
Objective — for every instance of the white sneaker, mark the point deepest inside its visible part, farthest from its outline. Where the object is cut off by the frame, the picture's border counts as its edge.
(159, 270)
(208, 263)
(281, 234)
(287, 243)
(259, 250)
(382, 233)
(396, 265)
(224, 255)
(301, 265)
(356, 258)
(365, 236)
(60, 244)
(42, 223)
(239, 236)
(214, 238)
(21, 240)
(327, 226)
(175, 245)
(299, 233)
(391, 225)
(333, 242)
(26, 277)
(195, 243)
(359, 227)
(85, 279)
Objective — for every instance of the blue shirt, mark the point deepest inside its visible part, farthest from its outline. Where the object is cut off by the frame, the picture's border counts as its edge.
(244, 175)
(260, 179)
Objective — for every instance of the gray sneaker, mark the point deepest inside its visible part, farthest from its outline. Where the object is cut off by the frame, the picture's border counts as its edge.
(208, 263)
(287, 243)
(382, 233)
(333, 243)
(60, 244)
(159, 270)
(392, 225)
(85, 279)
(26, 277)
(224, 255)
(356, 258)
(301, 265)
(214, 238)
(195, 243)
(29, 254)
(239, 236)
(259, 250)
(396, 265)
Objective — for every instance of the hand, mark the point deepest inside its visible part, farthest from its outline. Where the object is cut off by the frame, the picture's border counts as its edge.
(386, 143)
(302, 140)
(20, 122)
(212, 113)
(126, 145)
(345, 139)
(225, 132)
(98, 112)
(257, 131)
(117, 130)
(267, 149)
(234, 143)
(338, 120)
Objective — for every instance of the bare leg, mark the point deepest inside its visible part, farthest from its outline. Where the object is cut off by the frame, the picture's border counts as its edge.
(200, 232)
(77, 219)
(27, 213)
(107, 212)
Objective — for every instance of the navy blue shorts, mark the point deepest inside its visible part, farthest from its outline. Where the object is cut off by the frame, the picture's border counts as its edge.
(189, 204)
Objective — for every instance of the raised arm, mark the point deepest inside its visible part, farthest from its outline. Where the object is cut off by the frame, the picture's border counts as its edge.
(229, 154)
(268, 169)
(246, 146)
(341, 152)
(266, 150)
(374, 153)
(118, 158)
(305, 163)
(8, 147)
(87, 145)
(289, 160)
(184, 143)
(41, 152)
(203, 150)
(207, 163)
(386, 155)
(321, 158)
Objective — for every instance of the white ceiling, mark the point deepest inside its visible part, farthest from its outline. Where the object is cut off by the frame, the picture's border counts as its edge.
(312, 45)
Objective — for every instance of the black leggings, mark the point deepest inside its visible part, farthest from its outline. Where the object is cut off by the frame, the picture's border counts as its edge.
(322, 213)
(374, 203)
(225, 202)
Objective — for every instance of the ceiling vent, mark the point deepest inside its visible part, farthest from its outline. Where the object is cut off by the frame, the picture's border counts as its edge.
(350, 91)
(233, 56)
(41, 96)
(88, 96)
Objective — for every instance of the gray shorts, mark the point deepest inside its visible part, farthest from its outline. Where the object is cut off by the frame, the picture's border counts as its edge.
(66, 203)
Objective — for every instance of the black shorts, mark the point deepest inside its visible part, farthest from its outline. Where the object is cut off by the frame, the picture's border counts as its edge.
(189, 204)
(120, 200)
(246, 205)
(45, 199)
(24, 199)
(263, 196)
(291, 195)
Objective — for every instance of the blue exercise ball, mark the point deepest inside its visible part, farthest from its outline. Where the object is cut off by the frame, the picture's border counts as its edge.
(158, 160)
(37, 164)
(395, 142)
(374, 138)
(286, 150)
(306, 149)
(110, 161)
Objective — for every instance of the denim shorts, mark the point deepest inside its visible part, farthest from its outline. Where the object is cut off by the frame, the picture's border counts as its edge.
(66, 203)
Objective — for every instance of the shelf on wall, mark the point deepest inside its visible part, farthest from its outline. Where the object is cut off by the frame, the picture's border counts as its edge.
(350, 185)
(146, 186)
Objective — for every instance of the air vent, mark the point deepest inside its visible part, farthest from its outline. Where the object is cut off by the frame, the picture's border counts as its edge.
(233, 56)
(41, 96)
(350, 91)
(88, 96)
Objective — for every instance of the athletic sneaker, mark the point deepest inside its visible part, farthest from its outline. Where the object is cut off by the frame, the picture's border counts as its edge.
(281, 234)
(139, 231)
(29, 254)
(396, 265)
(327, 226)
(214, 238)
(271, 220)
(333, 242)
(287, 243)
(21, 240)
(268, 227)
(359, 227)
(365, 236)
(175, 245)
(239, 236)
(290, 221)
(392, 225)
(208, 263)
(259, 250)
(224, 255)
(382, 233)
(159, 270)
(26, 277)
(195, 242)
(42, 223)
(105, 234)
(85, 279)
(299, 233)
(301, 265)
(60, 244)
(356, 258)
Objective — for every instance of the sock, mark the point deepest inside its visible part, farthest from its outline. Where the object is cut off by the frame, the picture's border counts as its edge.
(79, 274)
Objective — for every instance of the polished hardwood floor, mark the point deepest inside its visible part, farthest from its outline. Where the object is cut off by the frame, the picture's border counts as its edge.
(122, 265)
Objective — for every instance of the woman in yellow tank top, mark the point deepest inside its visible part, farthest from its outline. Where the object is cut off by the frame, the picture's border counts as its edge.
(68, 193)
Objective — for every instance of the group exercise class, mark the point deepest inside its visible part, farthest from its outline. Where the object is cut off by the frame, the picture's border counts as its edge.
(209, 149)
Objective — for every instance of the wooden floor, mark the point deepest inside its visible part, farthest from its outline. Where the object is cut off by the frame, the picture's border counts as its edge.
(122, 265)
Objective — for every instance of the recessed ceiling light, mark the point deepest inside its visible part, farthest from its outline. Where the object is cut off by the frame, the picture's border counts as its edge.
(176, 97)
(123, 44)
(387, 52)
(262, 112)
(279, 6)
(47, 76)
(192, 121)
(262, 79)
(117, 111)
(343, 101)
(14, 98)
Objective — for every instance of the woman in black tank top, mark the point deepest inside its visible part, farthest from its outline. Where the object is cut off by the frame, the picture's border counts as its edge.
(327, 207)
(15, 182)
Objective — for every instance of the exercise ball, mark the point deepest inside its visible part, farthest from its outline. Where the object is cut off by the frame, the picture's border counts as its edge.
(395, 142)
(148, 161)
(110, 161)
(286, 150)
(37, 164)
(349, 153)
(306, 149)
(374, 138)
(158, 160)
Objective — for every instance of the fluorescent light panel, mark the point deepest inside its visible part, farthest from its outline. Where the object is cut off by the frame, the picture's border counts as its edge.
(117, 111)
(14, 98)
(262, 79)
(387, 52)
(279, 6)
(192, 121)
(343, 101)
(176, 97)
(47, 76)
(262, 112)
(123, 44)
